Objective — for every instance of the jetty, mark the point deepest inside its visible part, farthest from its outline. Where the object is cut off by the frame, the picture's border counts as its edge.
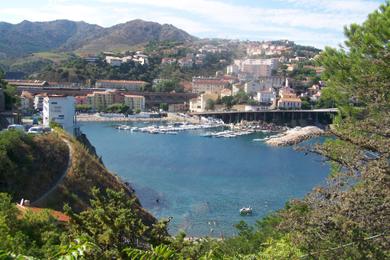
(294, 136)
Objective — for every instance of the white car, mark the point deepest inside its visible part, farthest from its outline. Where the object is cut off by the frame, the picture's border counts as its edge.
(16, 127)
(35, 130)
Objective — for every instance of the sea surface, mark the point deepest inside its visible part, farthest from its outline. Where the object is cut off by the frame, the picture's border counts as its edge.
(202, 182)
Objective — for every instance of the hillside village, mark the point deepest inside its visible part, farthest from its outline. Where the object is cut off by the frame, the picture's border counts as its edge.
(207, 75)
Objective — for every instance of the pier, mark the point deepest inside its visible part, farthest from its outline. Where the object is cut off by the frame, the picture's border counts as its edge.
(280, 117)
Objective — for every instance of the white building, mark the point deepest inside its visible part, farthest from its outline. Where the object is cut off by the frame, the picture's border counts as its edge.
(259, 67)
(271, 82)
(252, 87)
(232, 69)
(114, 61)
(38, 101)
(266, 96)
(59, 109)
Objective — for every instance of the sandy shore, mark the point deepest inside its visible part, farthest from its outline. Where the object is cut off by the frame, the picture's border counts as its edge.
(295, 135)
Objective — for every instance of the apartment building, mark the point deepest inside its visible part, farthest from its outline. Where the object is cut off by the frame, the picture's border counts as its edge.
(59, 109)
(135, 102)
(131, 85)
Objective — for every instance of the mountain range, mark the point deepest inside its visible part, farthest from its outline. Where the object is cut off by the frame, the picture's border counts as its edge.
(17, 40)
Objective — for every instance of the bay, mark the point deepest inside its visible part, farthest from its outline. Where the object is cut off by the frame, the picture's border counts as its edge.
(203, 182)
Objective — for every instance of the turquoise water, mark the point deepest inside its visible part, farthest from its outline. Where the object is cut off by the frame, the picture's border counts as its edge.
(203, 182)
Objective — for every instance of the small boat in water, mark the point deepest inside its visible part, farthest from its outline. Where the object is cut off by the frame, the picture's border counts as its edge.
(246, 211)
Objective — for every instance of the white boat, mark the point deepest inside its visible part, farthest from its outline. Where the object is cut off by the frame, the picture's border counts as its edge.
(246, 211)
(171, 133)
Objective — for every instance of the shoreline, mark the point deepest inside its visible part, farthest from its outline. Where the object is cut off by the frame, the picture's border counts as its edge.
(169, 118)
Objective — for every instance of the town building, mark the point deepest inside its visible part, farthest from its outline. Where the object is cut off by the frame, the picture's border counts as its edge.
(225, 92)
(114, 61)
(100, 100)
(131, 85)
(25, 208)
(266, 96)
(180, 107)
(237, 87)
(38, 101)
(186, 62)
(168, 61)
(26, 102)
(271, 82)
(141, 58)
(199, 104)
(65, 84)
(59, 109)
(201, 84)
(232, 69)
(252, 87)
(135, 102)
(289, 103)
(27, 83)
(259, 67)
(81, 100)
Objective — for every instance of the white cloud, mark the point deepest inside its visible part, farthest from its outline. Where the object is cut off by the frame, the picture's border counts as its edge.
(316, 21)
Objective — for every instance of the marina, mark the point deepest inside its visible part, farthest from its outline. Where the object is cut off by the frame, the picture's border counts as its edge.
(225, 130)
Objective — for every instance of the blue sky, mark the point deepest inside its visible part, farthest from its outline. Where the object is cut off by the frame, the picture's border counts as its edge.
(311, 22)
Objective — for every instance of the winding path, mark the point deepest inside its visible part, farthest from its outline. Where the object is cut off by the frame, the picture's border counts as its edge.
(59, 181)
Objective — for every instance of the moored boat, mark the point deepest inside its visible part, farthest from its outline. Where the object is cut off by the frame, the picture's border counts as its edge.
(245, 211)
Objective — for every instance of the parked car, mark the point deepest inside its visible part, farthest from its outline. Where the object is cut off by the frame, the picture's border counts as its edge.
(16, 127)
(35, 130)
(47, 129)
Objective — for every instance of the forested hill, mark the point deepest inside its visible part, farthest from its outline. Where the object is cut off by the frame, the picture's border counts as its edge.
(63, 35)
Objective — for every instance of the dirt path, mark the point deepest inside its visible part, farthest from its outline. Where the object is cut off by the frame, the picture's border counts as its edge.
(46, 194)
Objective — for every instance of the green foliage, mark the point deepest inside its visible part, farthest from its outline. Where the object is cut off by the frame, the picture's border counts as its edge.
(80, 248)
(76, 69)
(119, 108)
(346, 218)
(26, 163)
(164, 106)
(54, 124)
(282, 248)
(331, 98)
(210, 104)
(228, 101)
(83, 108)
(113, 224)
(10, 94)
(36, 235)
(168, 86)
(161, 252)
(241, 97)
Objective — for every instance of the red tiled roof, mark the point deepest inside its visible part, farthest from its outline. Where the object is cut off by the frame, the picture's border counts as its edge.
(123, 81)
(61, 217)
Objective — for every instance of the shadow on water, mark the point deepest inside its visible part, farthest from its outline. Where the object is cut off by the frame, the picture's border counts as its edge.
(151, 199)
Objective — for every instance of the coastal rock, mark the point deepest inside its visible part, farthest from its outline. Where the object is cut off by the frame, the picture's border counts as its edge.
(295, 136)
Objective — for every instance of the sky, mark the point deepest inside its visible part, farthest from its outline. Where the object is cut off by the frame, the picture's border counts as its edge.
(317, 23)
